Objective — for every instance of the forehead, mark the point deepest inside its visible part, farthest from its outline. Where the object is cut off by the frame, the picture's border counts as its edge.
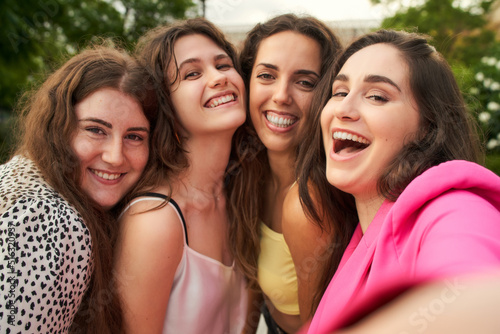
(378, 59)
(195, 46)
(290, 48)
(112, 105)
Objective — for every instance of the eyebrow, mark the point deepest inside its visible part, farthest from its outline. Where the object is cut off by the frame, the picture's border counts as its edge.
(197, 60)
(109, 126)
(369, 78)
(381, 78)
(276, 68)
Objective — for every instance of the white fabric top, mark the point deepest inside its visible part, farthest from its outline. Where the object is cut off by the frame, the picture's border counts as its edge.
(207, 296)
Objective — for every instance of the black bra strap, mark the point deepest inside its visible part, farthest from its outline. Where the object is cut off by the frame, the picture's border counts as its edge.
(171, 200)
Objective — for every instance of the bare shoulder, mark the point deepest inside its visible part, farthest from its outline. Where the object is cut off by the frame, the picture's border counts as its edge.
(144, 227)
(295, 222)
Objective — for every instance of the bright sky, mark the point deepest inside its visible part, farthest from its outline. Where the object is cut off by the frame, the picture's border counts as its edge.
(236, 12)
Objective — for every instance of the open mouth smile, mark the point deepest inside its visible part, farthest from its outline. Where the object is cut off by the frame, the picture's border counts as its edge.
(348, 143)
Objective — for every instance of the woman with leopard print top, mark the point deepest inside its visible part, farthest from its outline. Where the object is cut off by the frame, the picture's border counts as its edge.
(83, 147)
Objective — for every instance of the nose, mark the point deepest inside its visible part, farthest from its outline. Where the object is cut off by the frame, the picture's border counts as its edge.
(281, 94)
(345, 109)
(113, 152)
(217, 78)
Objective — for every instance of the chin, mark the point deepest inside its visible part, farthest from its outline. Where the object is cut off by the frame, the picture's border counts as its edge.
(106, 204)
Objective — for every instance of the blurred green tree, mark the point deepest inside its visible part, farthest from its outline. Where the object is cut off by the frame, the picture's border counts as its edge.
(36, 34)
(461, 32)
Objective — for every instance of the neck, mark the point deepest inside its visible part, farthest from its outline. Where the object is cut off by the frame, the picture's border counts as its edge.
(282, 166)
(367, 209)
(208, 158)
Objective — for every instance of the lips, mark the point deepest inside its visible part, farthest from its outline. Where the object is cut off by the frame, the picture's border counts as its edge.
(220, 100)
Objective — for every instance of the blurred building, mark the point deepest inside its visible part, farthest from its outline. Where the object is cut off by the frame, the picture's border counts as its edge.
(347, 31)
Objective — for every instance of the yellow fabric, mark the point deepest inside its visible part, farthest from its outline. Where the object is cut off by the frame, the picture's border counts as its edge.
(276, 273)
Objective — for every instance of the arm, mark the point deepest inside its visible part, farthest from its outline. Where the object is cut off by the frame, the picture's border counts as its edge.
(459, 306)
(309, 249)
(148, 252)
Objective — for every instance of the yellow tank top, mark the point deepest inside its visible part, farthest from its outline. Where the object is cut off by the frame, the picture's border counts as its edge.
(276, 273)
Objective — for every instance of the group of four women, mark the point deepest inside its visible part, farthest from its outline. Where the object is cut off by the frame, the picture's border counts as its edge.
(176, 192)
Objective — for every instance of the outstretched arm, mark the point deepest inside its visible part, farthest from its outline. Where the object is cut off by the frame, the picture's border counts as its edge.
(149, 250)
(460, 306)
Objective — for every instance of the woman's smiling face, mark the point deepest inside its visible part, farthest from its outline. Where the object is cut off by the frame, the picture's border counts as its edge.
(286, 70)
(368, 119)
(209, 93)
(111, 142)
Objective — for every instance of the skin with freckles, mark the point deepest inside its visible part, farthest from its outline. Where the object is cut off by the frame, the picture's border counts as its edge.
(111, 142)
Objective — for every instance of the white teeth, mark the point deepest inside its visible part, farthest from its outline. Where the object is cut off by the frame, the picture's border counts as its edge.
(220, 100)
(281, 122)
(349, 136)
(106, 176)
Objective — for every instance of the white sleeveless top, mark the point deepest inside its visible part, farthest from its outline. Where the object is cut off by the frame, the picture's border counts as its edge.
(207, 296)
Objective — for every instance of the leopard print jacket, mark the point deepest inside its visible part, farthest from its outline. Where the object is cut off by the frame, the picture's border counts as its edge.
(45, 253)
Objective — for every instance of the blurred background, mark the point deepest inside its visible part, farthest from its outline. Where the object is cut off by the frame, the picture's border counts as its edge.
(36, 36)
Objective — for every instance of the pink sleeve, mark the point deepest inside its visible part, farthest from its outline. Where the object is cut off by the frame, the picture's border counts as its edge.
(460, 234)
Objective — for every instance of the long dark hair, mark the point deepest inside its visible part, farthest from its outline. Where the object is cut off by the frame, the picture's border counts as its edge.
(48, 123)
(156, 51)
(249, 166)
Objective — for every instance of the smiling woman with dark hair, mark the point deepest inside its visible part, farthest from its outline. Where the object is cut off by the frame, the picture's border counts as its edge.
(280, 247)
(399, 143)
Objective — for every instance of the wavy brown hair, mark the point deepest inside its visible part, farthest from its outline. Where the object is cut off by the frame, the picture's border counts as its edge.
(48, 123)
(443, 115)
(249, 166)
(156, 51)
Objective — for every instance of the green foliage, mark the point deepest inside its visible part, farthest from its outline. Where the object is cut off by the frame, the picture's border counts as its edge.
(458, 30)
(487, 94)
(493, 163)
(35, 34)
(6, 136)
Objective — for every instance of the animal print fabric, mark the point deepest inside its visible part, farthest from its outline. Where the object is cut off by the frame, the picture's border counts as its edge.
(45, 259)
